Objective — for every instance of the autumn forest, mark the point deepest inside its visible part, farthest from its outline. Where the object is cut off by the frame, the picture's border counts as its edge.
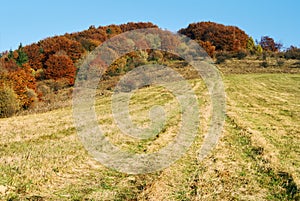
(28, 73)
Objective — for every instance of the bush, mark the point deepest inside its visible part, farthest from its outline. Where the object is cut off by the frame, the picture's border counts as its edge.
(292, 53)
(220, 59)
(56, 85)
(241, 54)
(32, 97)
(9, 103)
(264, 64)
(296, 65)
(155, 55)
(280, 62)
(264, 56)
(43, 89)
(223, 56)
(280, 55)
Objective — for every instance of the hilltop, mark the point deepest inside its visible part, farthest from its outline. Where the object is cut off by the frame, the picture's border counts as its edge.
(33, 75)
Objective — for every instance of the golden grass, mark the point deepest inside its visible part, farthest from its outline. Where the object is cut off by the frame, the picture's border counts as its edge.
(41, 157)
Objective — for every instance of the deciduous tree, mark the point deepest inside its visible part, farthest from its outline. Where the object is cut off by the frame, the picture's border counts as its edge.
(224, 38)
(268, 44)
(59, 67)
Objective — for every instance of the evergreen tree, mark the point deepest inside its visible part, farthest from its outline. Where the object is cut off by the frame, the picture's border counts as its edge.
(10, 54)
(22, 56)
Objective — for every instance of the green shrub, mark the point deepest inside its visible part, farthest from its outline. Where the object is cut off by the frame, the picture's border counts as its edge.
(9, 103)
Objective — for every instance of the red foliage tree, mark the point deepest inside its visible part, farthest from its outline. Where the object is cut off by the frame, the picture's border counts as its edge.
(35, 56)
(224, 38)
(57, 44)
(139, 25)
(60, 67)
(94, 35)
(8, 64)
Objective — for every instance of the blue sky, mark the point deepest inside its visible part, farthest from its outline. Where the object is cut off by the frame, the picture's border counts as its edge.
(32, 20)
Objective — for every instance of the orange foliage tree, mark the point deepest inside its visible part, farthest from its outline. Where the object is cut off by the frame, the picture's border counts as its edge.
(20, 79)
(139, 25)
(224, 38)
(57, 44)
(35, 56)
(208, 47)
(54, 58)
(24, 85)
(60, 66)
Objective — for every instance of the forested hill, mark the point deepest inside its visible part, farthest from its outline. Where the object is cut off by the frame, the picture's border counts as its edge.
(55, 59)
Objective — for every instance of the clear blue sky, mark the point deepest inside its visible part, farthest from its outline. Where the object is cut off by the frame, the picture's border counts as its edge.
(32, 20)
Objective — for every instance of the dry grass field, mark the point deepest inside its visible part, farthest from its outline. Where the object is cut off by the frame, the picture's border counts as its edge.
(257, 157)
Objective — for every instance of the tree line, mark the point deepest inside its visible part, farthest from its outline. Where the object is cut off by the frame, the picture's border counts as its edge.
(56, 58)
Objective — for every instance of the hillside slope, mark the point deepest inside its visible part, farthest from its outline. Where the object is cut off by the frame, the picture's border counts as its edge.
(257, 157)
